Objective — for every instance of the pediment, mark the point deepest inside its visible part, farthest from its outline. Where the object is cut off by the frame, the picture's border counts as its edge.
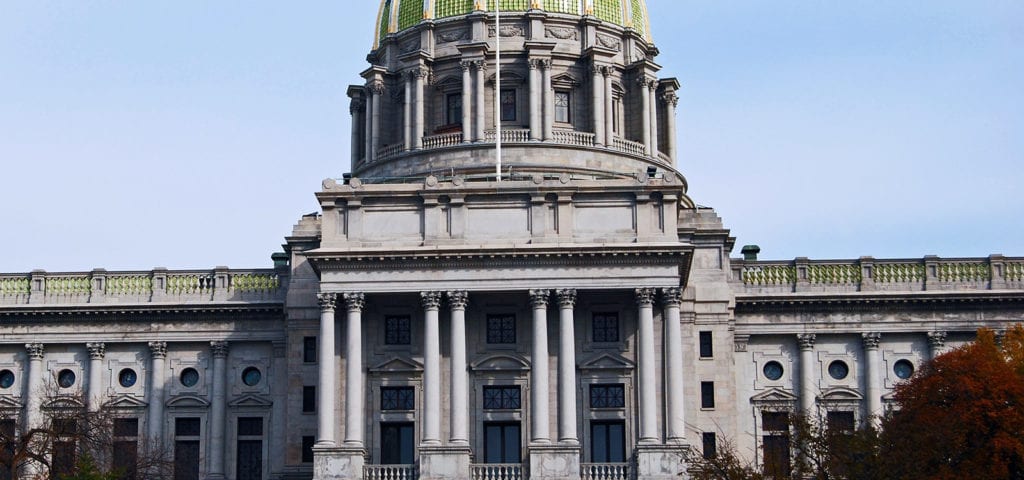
(564, 79)
(840, 394)
(250, 401)
(8, 402)
(188, 401)
(607, 361)
(448, 83)
(60, 403)
(507, 78)
(774, 395)
(397, 365)
(499, 363)
(125, 402)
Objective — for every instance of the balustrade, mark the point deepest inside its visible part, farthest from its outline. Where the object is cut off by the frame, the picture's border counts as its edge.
(604, 471)
(496, 471)
(390, 472)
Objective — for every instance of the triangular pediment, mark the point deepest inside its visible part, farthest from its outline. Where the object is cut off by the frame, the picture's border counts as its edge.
(126, 402)
(507, 78)
(8, 402)
(840, 394)
(250, 401)
(397, 365)
(564, 79)
(60, 403)
(774, 395)
(497, 363)
(449, 82)
(607, 361)
(188, 401)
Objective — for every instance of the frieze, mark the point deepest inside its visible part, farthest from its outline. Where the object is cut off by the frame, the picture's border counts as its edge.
(450, 36)
(329, 263)
(410, 45)
(609, 42)
(508, 31)
(562, 33)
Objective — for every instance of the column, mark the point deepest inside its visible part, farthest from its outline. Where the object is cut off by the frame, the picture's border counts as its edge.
(645, 113)
(355, 109)
(539, 373)
(535, 100)
(407, 127)
(378, 89)
(806, 342)
(326, 371)
(431, 368)
(34, 397)
(419, 77)
(676, 428)
(218, 409)
(94, 398)
(671, 102)
(459, 415)
(648, 374)
(481, 88)
(873, 371)
(467, 101)
(653, 92)
(549, 101)
(369, 155)
(597, 85)
(354, 303)
(155, 422)
(566, 367)
(609, 109)
(936, 343)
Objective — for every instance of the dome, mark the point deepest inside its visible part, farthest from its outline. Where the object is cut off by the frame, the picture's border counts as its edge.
(398, 15)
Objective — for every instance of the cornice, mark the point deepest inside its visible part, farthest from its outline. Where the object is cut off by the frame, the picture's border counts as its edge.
(878, 301)
(109, 312)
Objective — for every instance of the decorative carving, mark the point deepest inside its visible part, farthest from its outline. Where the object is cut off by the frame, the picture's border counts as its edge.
(670, 98)
(507, 31)
(453, 35)
(480, 65)
(610, 42)
(356, 105)
(96, 350)
(410, 45)
(561, 33)
(645, 297)
(430, 300)
(671, 297)
(639, 53)
(566, 297)
(740, 342)
(871, 340)
(327, 301)
(35, 350)
(219, 349)
(806, 340)
(937, 340)
(539, 298)
(466, 65)
(458, 299)
(159, 349)
(539, 63)
(354, 301)
(375, 87)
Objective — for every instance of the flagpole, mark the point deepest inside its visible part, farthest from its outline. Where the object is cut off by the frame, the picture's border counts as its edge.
(497, 85)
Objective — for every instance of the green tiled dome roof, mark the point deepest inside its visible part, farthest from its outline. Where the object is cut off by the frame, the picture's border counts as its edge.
(398, 15)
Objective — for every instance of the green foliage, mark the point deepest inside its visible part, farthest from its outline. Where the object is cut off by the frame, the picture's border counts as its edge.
(86, 469)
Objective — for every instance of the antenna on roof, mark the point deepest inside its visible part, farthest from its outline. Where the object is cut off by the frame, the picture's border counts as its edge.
(497, 86)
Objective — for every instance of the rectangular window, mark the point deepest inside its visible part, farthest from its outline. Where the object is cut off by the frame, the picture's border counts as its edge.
(397, 398)
(124, 459)
(841, 422)
(307, 448)
(508, 105)
(710, 445)
(309, 399)
(249, 461)
(608, 396)
(397, 445)
(616, 107)
(126, 427)
(776, 456)
(502, 443)
(605, 327)
(62, 462)
(186, 460)
(250, 426)
(397, 330)
(309, 349)
(563, 107)
(707, 349)
(453, 109)
(9, 442)
(608, 442)
(65, 426)
(501, 329)
(775, 421)
(186, 427)
(502, 398)
(707, 394)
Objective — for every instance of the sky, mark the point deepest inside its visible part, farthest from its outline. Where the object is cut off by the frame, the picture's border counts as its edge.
(193, 134)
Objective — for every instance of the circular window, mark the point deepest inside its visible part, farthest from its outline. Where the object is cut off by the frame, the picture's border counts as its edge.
(773, 370)
(838, 369)
(127, 378)
(65, 378)
(6, 379)
(189, 377)
(251, 376)
(903, 369)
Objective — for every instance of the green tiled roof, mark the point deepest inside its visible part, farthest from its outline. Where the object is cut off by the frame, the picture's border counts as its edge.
(398, 15)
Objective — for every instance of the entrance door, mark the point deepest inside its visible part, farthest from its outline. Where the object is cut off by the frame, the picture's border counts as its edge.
(397, 443)
(502, 443)
(608, 442)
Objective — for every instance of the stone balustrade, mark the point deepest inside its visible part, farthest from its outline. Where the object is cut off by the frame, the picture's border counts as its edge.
(156, 286)
(868, 274)
(496, 471)
(605, 471)
(520, 136)
(390, 472)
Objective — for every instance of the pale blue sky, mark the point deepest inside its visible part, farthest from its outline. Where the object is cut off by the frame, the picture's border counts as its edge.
(190, 134)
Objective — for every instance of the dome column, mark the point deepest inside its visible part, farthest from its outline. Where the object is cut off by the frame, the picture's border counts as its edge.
(467, 100)
(481, 86)
(549, 102)
(652, 90)
(645, 112)
(535, 126)
(407, 128)
(671, 99)
(597, 87)
(419, 76)
(609, 108)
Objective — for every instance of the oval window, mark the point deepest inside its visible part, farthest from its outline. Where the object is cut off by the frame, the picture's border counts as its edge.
(838, 370)
(251, 376)
(773, 370)
(903, 369)
(127, 378)
(189, 377)
(6, 379)
(66, 378)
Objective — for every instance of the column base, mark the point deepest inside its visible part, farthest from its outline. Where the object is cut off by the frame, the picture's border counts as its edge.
(450, 462)
(554, 462)
(661, 462)
(338, 463)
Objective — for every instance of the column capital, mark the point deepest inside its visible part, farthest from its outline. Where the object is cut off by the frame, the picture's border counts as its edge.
(356, 105)
(354, 301)
(375, 87)
(645, 296)
(35, 350)
(566, 297)
(466, 65)
(479, 65)
(219, 349)
(806, 340)
(158, 349)
(431, 300)
(937, 339)
(671, 297)
(540, 63)
(871, 340)
(458, 299)
(96, 350)
(327, 301)
(539, 298)
(670, 98)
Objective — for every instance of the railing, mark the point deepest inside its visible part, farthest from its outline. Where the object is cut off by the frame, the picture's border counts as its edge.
(629, 146)
(604, 471)
(508, 135)
(390, 472)
(572, 137)
(101, 286)
(496, 471)
(442, 140)
(389, 151)
(868, 274)
(519, 135)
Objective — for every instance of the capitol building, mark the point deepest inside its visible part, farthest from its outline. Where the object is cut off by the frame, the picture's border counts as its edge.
(563, 311)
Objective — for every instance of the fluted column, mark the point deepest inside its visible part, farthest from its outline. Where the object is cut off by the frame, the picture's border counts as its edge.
(671, 102)
(597, 87)
(218, 409)
(369, 155)
(806, 342)
(467, 101)
(377, 88)
(676, 428)
(549, 101)
(609, 109)
(157, 382)
(873, 368)
(431, 368)
(539, 388)
(354, 303)
(936, 343)
(645, 113)
(407, 127)
(481, 67)
(355, 109)
(459, 415)
(326, 373)
(566, 367)
(94, 399)
(652, 90)
(34, 397)
(648, 370)
(419, 77)
(535, 100)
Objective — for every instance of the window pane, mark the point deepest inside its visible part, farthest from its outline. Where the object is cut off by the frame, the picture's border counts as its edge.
(186, 427)
(250, 426)
(710, 445)
(309, 349)
(608, 396)
(308, 399)
(776, 456)
(841, 421)
(512, 448)
(250, 460)
(397, 398)
(508, 105)
(617, 442)
(186, 460)
(706, 348)
(492, 444)
(599, 435)
(124, 459)
(562, 107)
(307, 448)
(707, 395)
(63, 459)
(605, 327)
(775, 421)
(397, 330)
(396, 443)
(501, 329)
(454, 109)
(126, 427)
(502, 398)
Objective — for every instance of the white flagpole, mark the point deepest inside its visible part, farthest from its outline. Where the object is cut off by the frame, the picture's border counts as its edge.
(497, 85)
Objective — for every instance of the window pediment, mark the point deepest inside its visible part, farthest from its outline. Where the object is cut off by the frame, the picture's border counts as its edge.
(500, 363)
(250, 401)
(188, 401)
(607, 361)
(397, 365)
(125, 402)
